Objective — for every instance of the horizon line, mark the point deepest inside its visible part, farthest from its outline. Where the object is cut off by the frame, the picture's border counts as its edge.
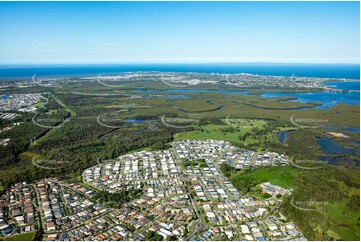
(177, 63)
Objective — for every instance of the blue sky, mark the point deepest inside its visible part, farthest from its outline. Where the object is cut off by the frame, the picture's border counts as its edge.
(128, 32)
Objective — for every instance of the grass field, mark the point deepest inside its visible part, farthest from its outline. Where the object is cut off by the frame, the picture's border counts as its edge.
(344, 233)
(339, 215)
(39, 104)
(219, 132)
(211, 131)
(280, 176)
(20, 237)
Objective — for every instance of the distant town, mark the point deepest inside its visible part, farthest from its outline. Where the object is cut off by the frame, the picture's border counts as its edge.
(19, 102)
(192, 79)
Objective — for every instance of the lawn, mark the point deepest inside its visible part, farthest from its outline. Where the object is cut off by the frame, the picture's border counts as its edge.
(21, 237)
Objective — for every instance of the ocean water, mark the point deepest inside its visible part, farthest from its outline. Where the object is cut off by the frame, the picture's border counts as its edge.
(16, 72)
(354, 86)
